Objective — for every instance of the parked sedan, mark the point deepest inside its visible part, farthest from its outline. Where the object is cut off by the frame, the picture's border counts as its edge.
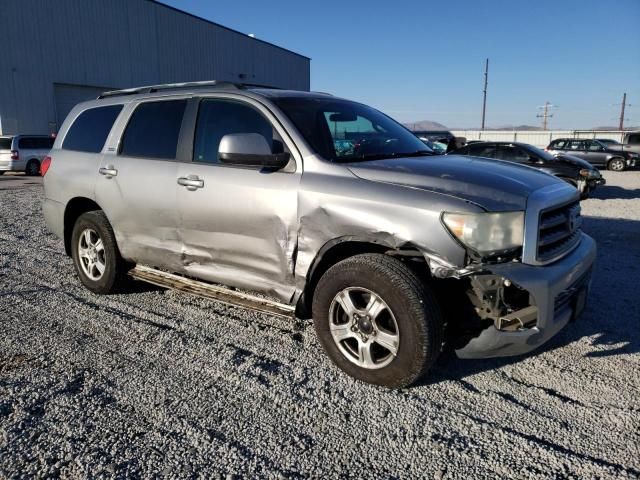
(594, 152)
(579, 173)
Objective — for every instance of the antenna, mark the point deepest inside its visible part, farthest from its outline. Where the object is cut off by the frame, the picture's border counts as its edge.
(545, 115)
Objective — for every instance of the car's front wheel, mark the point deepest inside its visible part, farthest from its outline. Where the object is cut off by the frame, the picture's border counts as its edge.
(96, 256)
(377, 321)
(616, 164)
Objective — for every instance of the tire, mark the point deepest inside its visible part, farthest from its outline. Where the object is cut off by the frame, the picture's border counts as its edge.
(33, 168)
(408, 314)
(616, 164)
(113, 277)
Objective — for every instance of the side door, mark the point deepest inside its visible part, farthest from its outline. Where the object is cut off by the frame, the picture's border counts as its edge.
(238, 224)
(136, 185)
(576, 148)
(595, 153)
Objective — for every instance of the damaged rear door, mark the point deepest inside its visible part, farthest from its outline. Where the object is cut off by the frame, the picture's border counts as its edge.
(238, 225)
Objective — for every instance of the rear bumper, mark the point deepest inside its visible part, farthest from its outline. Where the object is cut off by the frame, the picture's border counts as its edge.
(553, 288)
(54, 216)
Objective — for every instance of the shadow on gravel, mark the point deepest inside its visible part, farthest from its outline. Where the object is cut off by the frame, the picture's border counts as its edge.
(611, 318)
(607, 192)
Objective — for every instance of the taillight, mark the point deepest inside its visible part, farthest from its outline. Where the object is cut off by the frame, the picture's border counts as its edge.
(15, 155)
(44, 166)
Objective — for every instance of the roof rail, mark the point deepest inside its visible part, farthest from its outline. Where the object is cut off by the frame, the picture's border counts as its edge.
(177, 86)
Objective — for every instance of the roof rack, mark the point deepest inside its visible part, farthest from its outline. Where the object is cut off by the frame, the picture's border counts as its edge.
(177, 86)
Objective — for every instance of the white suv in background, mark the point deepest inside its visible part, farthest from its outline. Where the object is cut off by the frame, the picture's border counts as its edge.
(23, 153)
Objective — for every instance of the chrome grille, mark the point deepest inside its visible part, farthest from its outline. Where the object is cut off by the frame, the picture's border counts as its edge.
(558, 231)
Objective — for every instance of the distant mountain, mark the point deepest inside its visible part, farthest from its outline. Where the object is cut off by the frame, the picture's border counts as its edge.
(425, 125)
(615, 128)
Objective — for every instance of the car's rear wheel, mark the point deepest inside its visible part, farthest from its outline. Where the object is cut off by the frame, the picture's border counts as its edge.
(96, 256)
(33, 168)
(377, 321)
(616, 164)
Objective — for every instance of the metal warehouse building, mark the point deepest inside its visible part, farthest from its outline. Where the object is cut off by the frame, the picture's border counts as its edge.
(58, 53)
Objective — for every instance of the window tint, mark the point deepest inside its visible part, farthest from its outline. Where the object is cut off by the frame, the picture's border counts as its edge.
(153, 130)
(576, 145)
(482, 150)
(5, 143)
(217, 118)
(512, 154)
(634, 139)
(593, 146)
(35, 143)
(90, 130)
(558, 144)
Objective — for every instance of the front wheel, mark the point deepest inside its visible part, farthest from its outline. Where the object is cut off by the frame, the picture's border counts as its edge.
(616, 164)
(377, 321)
(96, 256)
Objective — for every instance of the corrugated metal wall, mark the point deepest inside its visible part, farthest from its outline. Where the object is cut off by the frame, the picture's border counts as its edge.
(118, 44)
(535, 137)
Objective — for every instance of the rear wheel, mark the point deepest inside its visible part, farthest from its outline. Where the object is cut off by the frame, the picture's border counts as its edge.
(616, 164)
(33, 168)
(96, 256)
(377, 321)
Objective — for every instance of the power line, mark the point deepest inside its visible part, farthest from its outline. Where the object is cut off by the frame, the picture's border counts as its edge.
(545, 115)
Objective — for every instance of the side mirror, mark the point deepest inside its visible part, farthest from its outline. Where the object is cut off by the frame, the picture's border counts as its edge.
(250, 150)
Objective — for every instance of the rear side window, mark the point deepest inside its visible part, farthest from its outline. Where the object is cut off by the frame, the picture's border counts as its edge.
(153, 130)
(634, 139)
(576, 145)
(35, 143)
(487, 151)
(5, 143)
(512, 154)
(91, 129)
(558, 144)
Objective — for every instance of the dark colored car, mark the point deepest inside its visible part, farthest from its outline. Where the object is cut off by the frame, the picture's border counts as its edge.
(579, 173)
(594, 152)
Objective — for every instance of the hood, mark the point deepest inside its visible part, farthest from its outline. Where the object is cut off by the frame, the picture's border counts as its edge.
(578, 162)
(491, 184)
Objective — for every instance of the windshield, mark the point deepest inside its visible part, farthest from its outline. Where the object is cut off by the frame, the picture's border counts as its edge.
(344, 131)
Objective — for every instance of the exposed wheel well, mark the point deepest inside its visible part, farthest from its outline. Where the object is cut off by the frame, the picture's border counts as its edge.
(75, 208)
(341, 251)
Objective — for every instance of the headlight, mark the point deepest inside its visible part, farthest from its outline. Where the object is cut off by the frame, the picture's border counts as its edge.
(585, 172)
(487, 233)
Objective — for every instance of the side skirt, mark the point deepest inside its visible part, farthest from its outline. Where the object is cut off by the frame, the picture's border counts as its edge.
(211, 291)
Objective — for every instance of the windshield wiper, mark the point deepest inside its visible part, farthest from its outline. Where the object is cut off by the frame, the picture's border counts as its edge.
(382, 156)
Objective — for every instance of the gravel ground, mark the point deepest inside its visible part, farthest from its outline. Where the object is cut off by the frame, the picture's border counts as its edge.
(162, 384)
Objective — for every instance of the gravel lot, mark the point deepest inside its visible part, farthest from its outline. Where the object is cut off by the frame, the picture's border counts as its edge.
(158, 383)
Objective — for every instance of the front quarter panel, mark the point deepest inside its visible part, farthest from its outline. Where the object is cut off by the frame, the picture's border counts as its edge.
(338, 206)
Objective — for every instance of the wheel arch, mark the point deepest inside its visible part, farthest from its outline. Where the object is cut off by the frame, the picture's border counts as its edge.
(340, 249)
(75, 207)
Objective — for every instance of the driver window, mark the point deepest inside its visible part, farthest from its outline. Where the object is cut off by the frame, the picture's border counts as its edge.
(594, 146)
(217, 118)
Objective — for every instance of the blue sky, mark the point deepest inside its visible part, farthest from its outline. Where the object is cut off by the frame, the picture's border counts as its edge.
(424, 60)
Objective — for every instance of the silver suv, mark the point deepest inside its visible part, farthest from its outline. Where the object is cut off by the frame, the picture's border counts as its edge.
(23, 153)
(247, 195)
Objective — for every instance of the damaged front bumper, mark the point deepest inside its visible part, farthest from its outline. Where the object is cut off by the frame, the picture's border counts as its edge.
(558, 292)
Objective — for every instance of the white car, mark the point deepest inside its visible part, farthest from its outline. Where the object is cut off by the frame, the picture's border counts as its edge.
(23, 153)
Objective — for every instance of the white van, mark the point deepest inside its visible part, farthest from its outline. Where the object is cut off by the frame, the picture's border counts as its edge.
(23, 153)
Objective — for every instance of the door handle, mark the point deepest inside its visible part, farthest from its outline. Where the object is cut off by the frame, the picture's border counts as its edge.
(192, 182)
(108, 171)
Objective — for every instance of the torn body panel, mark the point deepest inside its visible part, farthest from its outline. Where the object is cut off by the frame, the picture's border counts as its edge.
(557, 291)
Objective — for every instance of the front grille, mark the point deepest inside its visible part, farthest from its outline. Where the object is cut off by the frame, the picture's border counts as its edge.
(558, 231)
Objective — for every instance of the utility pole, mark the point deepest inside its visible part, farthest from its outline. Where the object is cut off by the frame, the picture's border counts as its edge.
(545, 115)
(484, 92)
(624, 104)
